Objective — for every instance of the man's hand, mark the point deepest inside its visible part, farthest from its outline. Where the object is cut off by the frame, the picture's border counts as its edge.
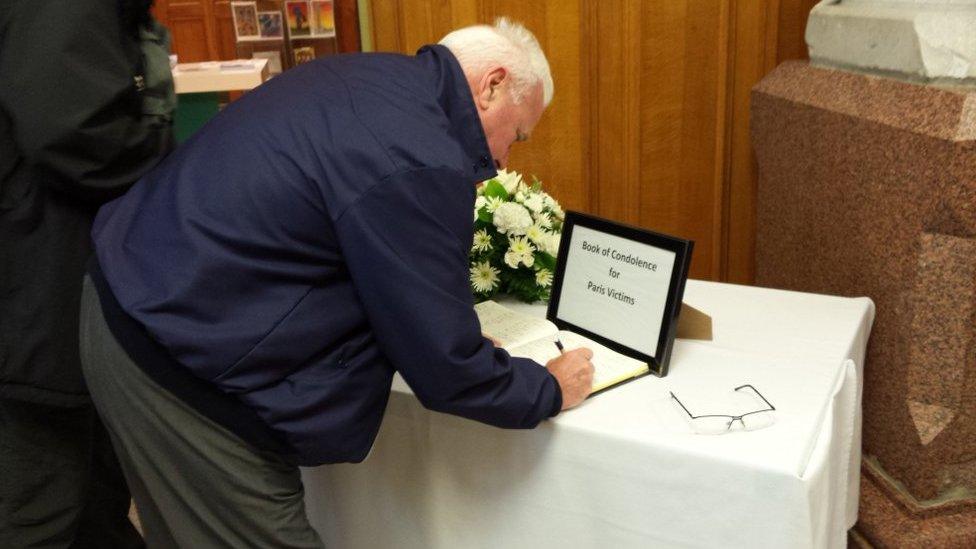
(574, 372)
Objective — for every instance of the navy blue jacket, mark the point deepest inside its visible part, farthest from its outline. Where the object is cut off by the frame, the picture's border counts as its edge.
(310, 240)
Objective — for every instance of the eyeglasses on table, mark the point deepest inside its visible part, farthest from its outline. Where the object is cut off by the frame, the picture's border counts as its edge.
(717, 424)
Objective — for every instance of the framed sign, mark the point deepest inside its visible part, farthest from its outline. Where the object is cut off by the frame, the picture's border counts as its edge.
(620, 286)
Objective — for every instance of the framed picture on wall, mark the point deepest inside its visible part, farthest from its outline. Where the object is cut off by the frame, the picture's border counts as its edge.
(303, 54)
(245, 16)
(297, 13)
(323, 18)
(271, 25)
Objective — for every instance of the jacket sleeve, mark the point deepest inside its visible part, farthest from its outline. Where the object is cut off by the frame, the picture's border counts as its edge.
(406, 244)
(69, 93)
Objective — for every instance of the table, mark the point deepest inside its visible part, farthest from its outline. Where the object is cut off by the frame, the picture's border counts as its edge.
(198, 87)
(625, 469)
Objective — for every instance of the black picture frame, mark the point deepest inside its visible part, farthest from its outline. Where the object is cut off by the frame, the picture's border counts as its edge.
(682, 248)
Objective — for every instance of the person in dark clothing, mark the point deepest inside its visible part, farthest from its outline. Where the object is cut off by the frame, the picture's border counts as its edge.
(251, 298)
(85, 98)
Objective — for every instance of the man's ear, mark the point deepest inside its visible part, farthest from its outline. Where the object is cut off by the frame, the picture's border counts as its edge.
(490, 86)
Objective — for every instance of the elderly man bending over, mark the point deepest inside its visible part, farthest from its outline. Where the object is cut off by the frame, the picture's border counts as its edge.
(251, 298)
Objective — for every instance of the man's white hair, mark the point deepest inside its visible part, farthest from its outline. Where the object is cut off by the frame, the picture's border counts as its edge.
(507, 44)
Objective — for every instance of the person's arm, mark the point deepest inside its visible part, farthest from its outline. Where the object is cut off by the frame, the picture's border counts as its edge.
(406, 244)
(67, 88)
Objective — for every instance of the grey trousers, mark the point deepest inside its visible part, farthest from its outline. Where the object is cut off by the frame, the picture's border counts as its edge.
(195, 483)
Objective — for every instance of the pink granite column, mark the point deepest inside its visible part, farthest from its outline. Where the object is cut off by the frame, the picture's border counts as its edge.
(867, 187)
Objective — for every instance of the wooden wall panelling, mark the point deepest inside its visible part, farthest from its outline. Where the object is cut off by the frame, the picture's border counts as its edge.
(347, 26)
(559, 150)
(753, 56)
(385, 15)
(569, 148)
(683, 86)
(190, 23)
(791, 29)
(224, 30)
(614, 51)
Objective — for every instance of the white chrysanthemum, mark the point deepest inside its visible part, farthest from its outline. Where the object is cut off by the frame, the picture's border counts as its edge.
(509, 180)
(557, 211)
(512, 259)
(537, 235)
(552, 244)
(543, 277)
(492, 203)
(544, 220)
(512, 218)
(520, 197)
(520, 245)
(478, 204)
(482, 241)
(484, 277)
(550, 203)
(534, 202)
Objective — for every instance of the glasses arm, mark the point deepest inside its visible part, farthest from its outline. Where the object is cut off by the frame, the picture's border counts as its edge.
(771, 407)
(682, 405)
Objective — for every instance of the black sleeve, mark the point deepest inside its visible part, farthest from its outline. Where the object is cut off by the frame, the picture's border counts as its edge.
(406, 244)
(68, 89)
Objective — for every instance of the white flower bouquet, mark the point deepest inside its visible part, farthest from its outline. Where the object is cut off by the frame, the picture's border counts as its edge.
(517, 228)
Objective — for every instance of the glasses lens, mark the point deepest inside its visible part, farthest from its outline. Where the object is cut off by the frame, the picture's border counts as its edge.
(711, 425)
(751, 422)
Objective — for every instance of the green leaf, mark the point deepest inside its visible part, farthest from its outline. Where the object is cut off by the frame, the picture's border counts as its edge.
(545, 260)
(484, 216)
(496, 190)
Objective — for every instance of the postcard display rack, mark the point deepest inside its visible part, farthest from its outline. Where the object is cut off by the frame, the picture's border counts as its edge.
(286, 32)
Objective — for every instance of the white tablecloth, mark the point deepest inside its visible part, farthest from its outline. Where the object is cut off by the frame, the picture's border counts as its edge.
(625, 469)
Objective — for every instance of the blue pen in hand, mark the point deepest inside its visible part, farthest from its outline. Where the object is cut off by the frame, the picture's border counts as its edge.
(559, 345)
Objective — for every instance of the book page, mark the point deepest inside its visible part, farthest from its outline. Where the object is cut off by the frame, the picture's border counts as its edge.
(512, 328)
(541, 350)
(610, 367)
(534, 338)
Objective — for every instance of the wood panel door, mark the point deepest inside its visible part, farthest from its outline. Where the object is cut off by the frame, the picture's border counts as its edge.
(649, 124)
(191, 26)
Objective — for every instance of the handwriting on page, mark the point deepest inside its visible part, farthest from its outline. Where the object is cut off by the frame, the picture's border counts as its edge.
(509, 327)
(541, 350)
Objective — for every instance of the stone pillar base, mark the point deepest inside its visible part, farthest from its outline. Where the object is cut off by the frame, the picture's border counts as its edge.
(867, 186)
(890, 517)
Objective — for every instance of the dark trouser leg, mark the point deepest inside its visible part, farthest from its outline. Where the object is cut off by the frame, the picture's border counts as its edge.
(56, 482)
(105, 520)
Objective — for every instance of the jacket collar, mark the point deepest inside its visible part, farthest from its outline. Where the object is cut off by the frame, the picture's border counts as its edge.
(454, 96)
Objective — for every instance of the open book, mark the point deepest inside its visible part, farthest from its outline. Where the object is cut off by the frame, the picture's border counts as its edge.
(531, 337)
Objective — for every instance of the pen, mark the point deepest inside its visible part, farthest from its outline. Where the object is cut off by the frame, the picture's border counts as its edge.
(559, 345)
